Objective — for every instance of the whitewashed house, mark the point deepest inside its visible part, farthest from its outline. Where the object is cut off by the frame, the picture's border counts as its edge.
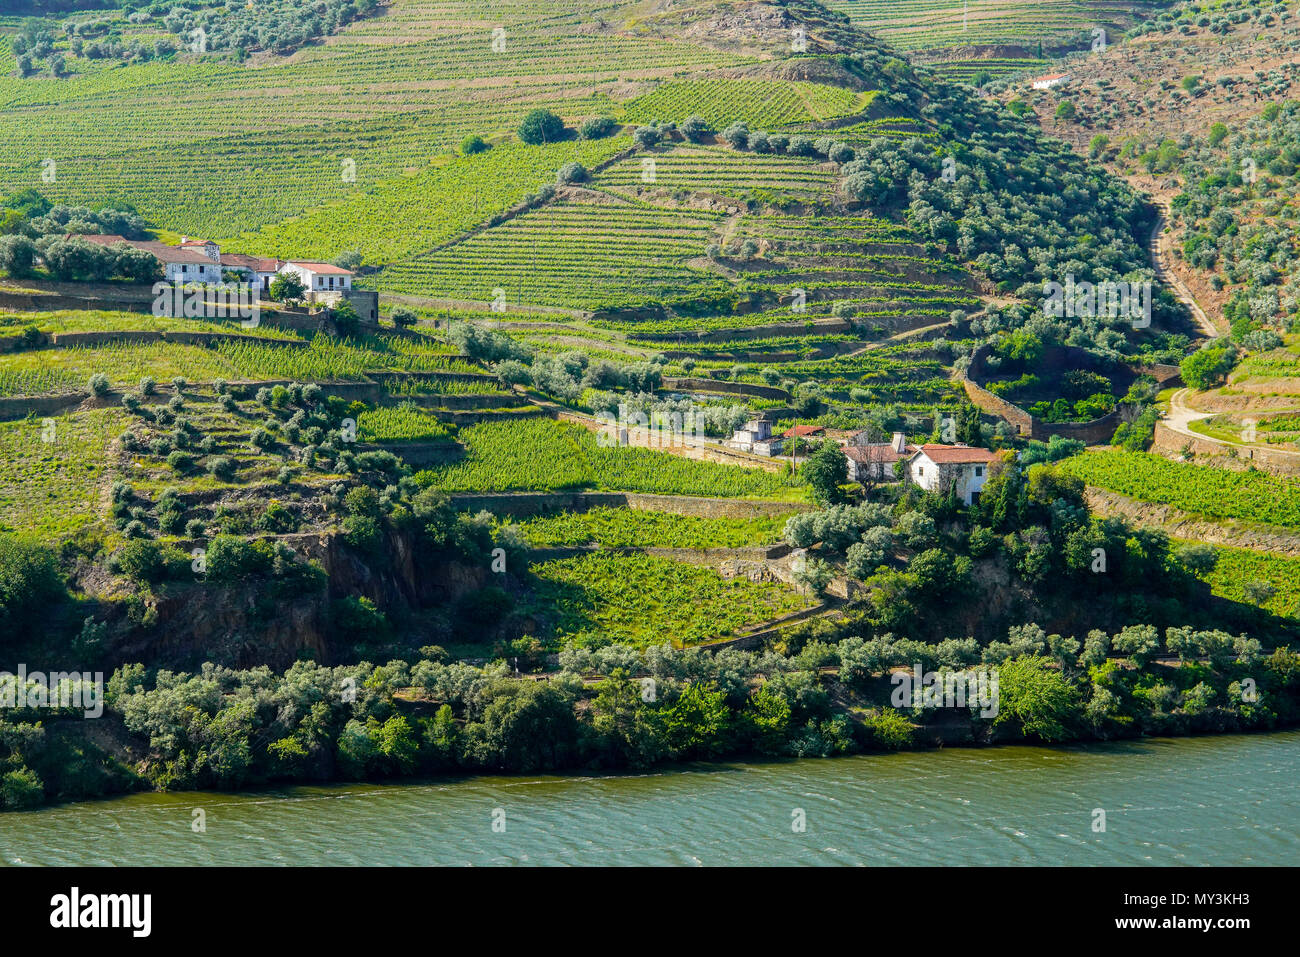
(874, 461)
(1050, 80)
(257, 271)
(319, 277)
(937, 467)
(755, 436)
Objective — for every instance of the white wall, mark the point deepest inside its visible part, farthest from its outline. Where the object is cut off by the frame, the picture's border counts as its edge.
(191, 272)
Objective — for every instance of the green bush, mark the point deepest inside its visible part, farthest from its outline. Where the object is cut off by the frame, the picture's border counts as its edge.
(21, 789)
(147, 562)
(597, 127)
(358, 620)
(222, 467)
(541, 126)
(29, 581)
(234, 559)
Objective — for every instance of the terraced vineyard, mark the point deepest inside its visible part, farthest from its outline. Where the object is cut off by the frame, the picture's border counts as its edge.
(639, 600)
(720, 170)
(192, 143)
(627, 241)
(583, 255)
(408, 215)
(1197, 489)
(401, 423)
(923, 25)
(69, 369)
(763, 104)
(1239, 574)
(543, 455)
(634, 528)
(970, 70)
(53, 471)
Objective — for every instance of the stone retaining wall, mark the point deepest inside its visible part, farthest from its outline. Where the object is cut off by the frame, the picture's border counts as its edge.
(1172, 443)
(690, 384)
(1092, 432)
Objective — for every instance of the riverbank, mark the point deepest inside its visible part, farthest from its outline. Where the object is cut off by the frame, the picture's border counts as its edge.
(1224, 800)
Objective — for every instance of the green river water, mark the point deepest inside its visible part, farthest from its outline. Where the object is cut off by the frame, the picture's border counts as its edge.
(1212, 800)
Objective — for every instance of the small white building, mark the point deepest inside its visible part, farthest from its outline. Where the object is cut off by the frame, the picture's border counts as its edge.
(319, 277)
(937, 467)
(874, 461)
(1049, 81)
(755, 436)
(257, 271)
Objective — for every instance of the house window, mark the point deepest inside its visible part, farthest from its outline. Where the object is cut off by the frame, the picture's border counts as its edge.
(979, 470)
(920, 470)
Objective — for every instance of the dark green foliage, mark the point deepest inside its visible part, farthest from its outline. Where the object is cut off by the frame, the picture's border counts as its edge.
(541, 126)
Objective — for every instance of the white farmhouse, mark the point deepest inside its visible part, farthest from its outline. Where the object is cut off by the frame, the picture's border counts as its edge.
(937, 467)
(1050, 80)
(755, 436)
(180, 264)
(257, 271)
(874, 461)
(319, 277)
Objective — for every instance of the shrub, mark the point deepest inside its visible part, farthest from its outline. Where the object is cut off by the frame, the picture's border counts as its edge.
(17, 256)
(179, 461)
(473, 144)
(596, 127)
(359, 620)
(646, 136)
(99, 385)
(147, 562)
(737, 135)
(363, 533)
(29, 581)
(541, 126)
(694, 128)
(21, 789)
(222, 467)
(571, 173)
(232, 559)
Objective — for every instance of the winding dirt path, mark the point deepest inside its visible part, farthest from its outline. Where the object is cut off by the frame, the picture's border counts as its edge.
(1181, 415)
(1160, 246)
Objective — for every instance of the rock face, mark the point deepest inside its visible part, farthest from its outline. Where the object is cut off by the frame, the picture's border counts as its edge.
(245, 624)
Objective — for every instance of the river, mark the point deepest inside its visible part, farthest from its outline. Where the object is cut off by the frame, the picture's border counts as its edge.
(1212, 800)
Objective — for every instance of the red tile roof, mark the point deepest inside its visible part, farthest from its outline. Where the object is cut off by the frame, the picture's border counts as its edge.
(876, 452)
(957, 454)
(321, 269)
(802, 430)
(255, 263)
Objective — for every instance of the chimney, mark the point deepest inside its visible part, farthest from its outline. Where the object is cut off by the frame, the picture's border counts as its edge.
(899, 443)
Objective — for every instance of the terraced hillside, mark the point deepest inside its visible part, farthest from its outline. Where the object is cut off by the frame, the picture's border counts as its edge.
(966, 38)
(609, 242)
(198, 142)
